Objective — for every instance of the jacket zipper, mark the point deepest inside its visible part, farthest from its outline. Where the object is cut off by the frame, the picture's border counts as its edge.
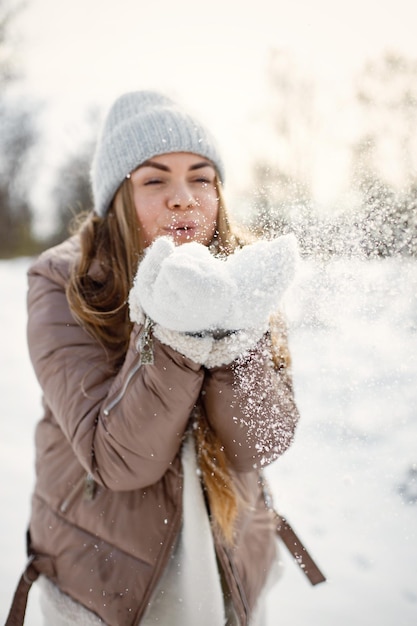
(165, 554)
(144, 346)
(238, 584)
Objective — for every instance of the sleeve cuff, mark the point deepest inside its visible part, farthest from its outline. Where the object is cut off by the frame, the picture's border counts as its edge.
(195, 348)
(207, 350)
(136, 314)
(230, 347)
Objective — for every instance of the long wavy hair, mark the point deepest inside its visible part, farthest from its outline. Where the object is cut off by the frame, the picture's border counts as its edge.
(97, 292)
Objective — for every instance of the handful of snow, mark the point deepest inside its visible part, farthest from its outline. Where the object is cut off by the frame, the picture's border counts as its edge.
(187, 289)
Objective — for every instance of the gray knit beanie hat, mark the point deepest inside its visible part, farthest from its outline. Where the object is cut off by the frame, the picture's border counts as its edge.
(140, 125)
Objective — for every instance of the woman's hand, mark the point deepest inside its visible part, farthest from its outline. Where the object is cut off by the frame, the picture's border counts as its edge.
(260, 274)
(187, 289)
(181, 288)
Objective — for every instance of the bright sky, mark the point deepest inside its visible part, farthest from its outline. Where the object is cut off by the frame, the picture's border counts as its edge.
(211, 55)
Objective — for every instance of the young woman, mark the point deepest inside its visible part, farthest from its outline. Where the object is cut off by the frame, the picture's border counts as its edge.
(166, 390)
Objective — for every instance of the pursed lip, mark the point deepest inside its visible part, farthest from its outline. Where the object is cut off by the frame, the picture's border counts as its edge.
(183, 226)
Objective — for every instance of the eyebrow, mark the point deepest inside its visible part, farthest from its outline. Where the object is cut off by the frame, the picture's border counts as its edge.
(165, 168)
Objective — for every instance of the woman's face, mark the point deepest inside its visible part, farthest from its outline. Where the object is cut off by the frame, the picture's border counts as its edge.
(175, 194)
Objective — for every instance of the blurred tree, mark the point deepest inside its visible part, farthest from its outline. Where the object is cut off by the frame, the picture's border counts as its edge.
(407, 224)
(280, 193)
(387, 98)
(17, 137)
(71, 192)
(378, 231)
(292, 120)
(8, 11)
(384, 158)
(387, 224)
(266, 217)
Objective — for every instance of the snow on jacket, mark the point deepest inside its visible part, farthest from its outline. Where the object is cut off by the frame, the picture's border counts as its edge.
(107, 504)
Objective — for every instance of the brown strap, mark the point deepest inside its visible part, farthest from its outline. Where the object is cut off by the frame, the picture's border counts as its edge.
(299, 552)
(18, 609)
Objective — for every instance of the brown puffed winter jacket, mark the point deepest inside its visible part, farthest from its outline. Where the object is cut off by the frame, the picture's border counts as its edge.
(107, 505)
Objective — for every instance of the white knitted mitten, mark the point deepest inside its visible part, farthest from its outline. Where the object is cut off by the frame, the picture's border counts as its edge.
(260, 274)
(181, 288)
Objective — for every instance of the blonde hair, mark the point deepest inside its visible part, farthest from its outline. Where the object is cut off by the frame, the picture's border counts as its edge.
(112, 246)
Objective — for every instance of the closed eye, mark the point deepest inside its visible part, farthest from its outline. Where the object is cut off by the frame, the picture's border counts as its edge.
(153, 181)
(203, 179)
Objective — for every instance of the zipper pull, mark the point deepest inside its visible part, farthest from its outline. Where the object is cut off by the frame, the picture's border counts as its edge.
(266, 492)
(90, 487)
(146, 343)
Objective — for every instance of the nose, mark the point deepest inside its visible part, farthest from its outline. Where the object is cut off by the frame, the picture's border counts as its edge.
(180, 197)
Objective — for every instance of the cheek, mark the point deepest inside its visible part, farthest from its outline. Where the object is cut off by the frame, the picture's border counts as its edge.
(146, 209)
(211, 208)
(146, 220)
(214, 217)
(214, 214)
(208, 218)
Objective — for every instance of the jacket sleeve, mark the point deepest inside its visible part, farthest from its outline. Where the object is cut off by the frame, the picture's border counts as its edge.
(127, 428)
(251, 407)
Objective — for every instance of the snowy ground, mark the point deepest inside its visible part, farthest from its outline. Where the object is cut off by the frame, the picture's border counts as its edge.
(348, 485)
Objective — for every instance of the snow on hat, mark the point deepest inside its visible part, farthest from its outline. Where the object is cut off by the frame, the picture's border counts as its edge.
(139, 126)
